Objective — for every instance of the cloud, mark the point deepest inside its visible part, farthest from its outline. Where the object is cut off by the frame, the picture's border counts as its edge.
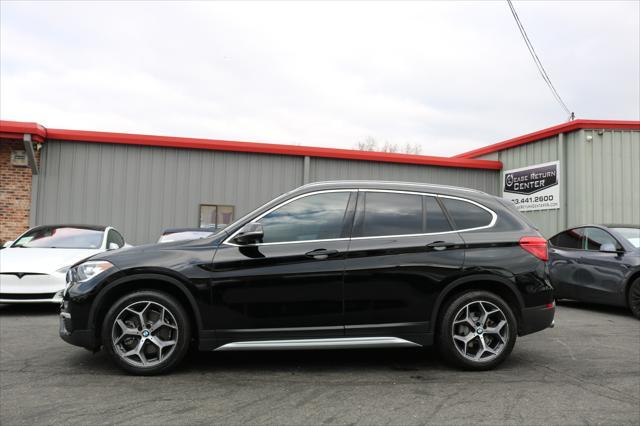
(446, 76)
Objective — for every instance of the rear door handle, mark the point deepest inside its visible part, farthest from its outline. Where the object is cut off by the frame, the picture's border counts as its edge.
(321, 254)
(440, 245)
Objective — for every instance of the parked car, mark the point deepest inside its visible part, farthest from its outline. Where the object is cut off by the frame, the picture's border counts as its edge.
(328, 265)
(182, 234)
(598, 264)
(33, 267)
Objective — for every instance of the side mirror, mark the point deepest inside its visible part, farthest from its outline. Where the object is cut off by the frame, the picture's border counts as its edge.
(608, 247)
(113, 246)
(249, 234)
(7, 244)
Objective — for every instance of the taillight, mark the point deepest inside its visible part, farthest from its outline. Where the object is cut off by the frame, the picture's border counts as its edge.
(537, 246)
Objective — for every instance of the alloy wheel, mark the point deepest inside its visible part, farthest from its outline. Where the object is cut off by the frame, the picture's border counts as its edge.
(480, 331)
(144, 334)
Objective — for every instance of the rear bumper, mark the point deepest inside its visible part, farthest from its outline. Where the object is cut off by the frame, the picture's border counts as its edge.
(537, 318)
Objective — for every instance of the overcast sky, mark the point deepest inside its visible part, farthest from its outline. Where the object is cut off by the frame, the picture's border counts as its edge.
(447, 76)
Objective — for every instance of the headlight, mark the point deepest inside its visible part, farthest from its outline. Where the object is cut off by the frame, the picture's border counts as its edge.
(87, 270)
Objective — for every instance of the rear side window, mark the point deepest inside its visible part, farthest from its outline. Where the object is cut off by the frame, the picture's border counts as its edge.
(571, 239)
(466, 215)
(391, 214)
(436, 219)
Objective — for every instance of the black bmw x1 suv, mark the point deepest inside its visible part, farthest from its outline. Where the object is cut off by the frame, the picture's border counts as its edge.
(346, 264)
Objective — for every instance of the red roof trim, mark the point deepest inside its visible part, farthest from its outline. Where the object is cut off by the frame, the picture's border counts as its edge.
(551, 131)
(17, 129)
(264, 148)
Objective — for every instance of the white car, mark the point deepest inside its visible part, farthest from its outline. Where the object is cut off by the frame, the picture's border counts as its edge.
(33, 267)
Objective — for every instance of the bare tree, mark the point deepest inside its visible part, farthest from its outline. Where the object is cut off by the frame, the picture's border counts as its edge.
(371, 144)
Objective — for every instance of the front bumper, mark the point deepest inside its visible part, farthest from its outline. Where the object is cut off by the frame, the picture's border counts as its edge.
(537, 318)
(31, 297)
(84, 338)
(31, 288)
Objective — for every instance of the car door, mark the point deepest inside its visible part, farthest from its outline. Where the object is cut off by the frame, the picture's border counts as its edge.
(602, 268)
(565, 252)
(290, 284)
(401, 253)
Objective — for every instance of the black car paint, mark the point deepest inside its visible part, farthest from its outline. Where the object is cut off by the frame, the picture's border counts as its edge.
(594, 276)
(382, 286)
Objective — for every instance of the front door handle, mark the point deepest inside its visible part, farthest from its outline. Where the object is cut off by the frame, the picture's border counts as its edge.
(440, 245)
(321, 254)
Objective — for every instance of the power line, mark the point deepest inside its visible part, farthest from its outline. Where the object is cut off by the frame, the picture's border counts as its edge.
(536, 60)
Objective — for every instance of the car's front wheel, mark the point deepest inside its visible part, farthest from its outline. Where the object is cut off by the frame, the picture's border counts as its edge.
(146, 332)
(634, 298)
(477, 330)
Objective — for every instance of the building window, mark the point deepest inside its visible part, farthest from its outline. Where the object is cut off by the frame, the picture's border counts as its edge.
(215, 216)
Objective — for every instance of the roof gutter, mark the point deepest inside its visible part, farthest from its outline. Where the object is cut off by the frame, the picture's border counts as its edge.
(549, 132)
(16, 130)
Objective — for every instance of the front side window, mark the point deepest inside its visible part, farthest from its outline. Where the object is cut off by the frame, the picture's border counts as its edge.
(630, 234)
(315, 217)
(115, 237)
(571, 239)
(466, 215)
(391, 214)
(63, 237)
(595, 238)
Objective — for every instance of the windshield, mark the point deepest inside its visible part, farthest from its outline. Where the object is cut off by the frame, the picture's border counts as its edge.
(61, 237)
(631, 234)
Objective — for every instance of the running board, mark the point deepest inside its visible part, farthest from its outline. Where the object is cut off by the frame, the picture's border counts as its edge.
(335, 343)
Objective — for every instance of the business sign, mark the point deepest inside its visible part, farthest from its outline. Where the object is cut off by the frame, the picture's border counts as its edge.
(535, 187)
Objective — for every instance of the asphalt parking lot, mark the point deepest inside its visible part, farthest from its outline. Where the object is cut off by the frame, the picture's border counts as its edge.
(586, 370)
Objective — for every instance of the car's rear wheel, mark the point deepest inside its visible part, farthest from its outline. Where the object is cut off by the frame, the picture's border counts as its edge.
(146, 332)
(477, 330)
(634, 298)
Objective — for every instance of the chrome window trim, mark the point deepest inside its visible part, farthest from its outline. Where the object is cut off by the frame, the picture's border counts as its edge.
(494, 217)
(393, 182)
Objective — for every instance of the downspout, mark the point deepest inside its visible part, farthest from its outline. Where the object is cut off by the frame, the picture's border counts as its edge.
(306, 166)
(564, 204)
(31, 156)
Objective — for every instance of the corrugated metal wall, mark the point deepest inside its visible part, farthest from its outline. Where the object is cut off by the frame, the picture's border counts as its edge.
(540, 151)
(606, 175)
(333, 169)
(141, 190)
(601, 176)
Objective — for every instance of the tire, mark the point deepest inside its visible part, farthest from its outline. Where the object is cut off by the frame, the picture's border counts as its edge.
(633, 298)
(466, 349)
(155, 347)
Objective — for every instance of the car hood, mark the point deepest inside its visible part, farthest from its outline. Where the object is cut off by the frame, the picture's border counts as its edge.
(163, 253)
(40, 260)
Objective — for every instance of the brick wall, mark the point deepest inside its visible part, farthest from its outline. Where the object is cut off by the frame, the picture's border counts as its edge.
(15, 192)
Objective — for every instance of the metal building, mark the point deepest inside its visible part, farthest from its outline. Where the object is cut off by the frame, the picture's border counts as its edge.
(599, 167)
(142, 184)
